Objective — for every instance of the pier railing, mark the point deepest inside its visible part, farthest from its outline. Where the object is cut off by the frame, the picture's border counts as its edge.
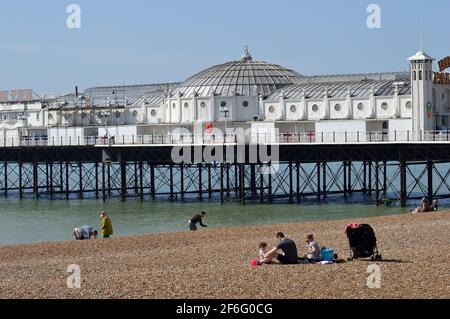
(230, 138)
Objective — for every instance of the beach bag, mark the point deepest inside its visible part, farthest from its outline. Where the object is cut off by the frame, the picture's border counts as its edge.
(327, 254)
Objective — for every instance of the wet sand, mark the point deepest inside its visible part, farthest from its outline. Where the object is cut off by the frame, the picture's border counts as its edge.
(215, 263)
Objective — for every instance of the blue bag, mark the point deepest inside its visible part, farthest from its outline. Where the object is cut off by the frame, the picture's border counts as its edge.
(327, 254)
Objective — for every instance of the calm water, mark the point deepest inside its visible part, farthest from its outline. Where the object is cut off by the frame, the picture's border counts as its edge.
(38, 221)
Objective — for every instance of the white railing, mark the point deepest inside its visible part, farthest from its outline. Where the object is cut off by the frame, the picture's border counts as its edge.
(259, 138)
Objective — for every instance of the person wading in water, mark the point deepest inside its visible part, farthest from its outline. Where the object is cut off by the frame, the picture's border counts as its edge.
(197, 219)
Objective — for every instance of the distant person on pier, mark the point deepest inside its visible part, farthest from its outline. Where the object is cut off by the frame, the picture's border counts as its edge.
(107, 229)
(197, 219)
(285, 252)
(85, 233)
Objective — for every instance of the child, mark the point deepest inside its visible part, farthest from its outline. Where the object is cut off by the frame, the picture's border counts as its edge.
(263, 250)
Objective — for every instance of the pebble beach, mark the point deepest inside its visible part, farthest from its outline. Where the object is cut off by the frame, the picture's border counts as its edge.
(215, 263)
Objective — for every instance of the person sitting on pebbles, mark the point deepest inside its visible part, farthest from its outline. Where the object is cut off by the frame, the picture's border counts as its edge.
(85, 233)
(313, 254)
(197, 219)
(424, 206)
(288, 254)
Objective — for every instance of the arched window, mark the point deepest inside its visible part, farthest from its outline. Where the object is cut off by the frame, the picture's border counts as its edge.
(414, 76)
(420, 75)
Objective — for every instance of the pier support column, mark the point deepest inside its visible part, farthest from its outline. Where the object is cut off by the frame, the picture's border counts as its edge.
(209, 181)
(47, 178)
(403, 190)
(103, 183)
(242, 183)
(364, 177)
(253, 180)
(172, 197)
(261, 183)
(227, 168)
(222, 197)
(349, 177)
(269, 176)
(61, 177)
(80, 180)
(291, 183)
(108, 176)
(35, 180)
(324, 179)
(141, 181)
(96, 180)
(182, 181)
(5, 167)
(384, 178)
(136, 178)
(200, 182)
(152, 182)
(298, 181)
(345, 177)
(51, 180)
(123, 180)
(318, 181)
(430, 192)
(67, 181)
(369, 181)
(377, 183)
(20, 180)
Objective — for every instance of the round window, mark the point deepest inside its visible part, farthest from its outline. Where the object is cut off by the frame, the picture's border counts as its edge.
(408, 105)
(315, 108)
(337, 107)
(245, 103)
(223, 104)
(384, 106)
(293, 108)
(153, 113)
(186, 105)
(203, 105)
(271, 109)
(360, 106)
(135, 113)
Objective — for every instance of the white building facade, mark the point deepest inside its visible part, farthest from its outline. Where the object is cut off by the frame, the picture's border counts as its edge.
(263, 98)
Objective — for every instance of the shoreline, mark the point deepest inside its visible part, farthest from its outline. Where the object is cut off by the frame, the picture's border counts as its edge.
(214, 263)
(257, 224)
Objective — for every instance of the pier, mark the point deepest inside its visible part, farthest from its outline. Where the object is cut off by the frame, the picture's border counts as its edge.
(395, 171)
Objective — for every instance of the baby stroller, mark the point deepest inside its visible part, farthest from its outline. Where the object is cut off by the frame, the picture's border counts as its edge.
(363, 242)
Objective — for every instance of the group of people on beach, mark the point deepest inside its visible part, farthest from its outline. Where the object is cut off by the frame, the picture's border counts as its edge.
(427, 205)
(89, 232)
(286, 251)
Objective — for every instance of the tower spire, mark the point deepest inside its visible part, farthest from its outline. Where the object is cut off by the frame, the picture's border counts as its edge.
(421, 35)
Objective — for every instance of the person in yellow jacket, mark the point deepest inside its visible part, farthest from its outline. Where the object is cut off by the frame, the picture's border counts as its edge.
(107, 229)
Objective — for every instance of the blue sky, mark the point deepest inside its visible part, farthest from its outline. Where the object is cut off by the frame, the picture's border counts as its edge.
(132, 42)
